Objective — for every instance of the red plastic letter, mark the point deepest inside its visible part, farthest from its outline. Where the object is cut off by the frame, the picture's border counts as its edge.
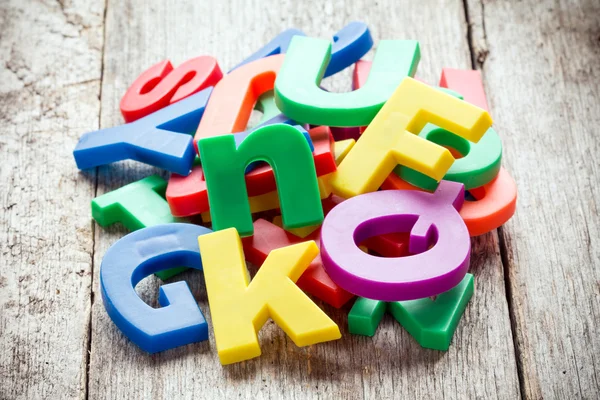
(314, 280)
(161, 85)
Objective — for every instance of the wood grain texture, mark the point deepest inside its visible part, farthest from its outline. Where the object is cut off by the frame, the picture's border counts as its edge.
(548, 105)
(50, 69)
(481, 361)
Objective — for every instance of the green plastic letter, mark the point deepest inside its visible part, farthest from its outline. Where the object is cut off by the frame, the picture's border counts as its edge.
(137, 205)
(288, 153)
(431, 322)
(479, 165)
(299, 97)
(365, 316)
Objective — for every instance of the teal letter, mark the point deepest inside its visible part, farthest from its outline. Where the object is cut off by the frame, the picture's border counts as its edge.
(286, 150)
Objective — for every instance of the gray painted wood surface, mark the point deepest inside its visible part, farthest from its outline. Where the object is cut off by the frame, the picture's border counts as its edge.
(530, 329)
(547, 104)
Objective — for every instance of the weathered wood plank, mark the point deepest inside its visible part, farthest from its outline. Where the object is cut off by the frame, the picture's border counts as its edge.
(543, 82)
(480, 363)
(50, 68)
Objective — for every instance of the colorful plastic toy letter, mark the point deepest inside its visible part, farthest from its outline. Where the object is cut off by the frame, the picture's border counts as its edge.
(431, 322)
(314, 281)
(349, 44)
(390, 138)
(285, 149)
(365, 315)
(239, 308)
(278, 45)
(495, 204)
(161, 85)
(179, 321)
(188, 195)
(137, 205)
(432, 220)
(233, 99)
(298, 95)
(161, 139)
(480, 162)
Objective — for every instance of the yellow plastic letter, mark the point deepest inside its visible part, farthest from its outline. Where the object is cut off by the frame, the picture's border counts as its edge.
(239, 308)
(391, 138)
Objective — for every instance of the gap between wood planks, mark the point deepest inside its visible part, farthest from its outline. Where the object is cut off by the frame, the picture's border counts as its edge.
(477, 42)
(88, 349)
(478, 52)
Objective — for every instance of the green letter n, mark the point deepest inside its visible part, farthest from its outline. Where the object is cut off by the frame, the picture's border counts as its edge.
(288, 153)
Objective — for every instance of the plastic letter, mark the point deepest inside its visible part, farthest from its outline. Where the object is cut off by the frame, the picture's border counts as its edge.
(431, 322)
(285, 149)
(278, 45)
(298, 95)
(239, 308)
(137, 205)
(233, 99)
(161, 85)
(188, 196)
(389, 245)
(349, 44)
(496, 203)
(161, 139)
(390, 138)
(300, 232)
(179, 321)
(480, 162)
(365, 315)
(432, 219)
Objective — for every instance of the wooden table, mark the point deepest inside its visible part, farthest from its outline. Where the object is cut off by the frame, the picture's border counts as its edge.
(531, 329)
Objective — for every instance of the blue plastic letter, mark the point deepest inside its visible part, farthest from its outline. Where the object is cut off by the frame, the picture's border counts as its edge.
(139, 254)
(162, 139)
(278, 45)
(349, 44)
